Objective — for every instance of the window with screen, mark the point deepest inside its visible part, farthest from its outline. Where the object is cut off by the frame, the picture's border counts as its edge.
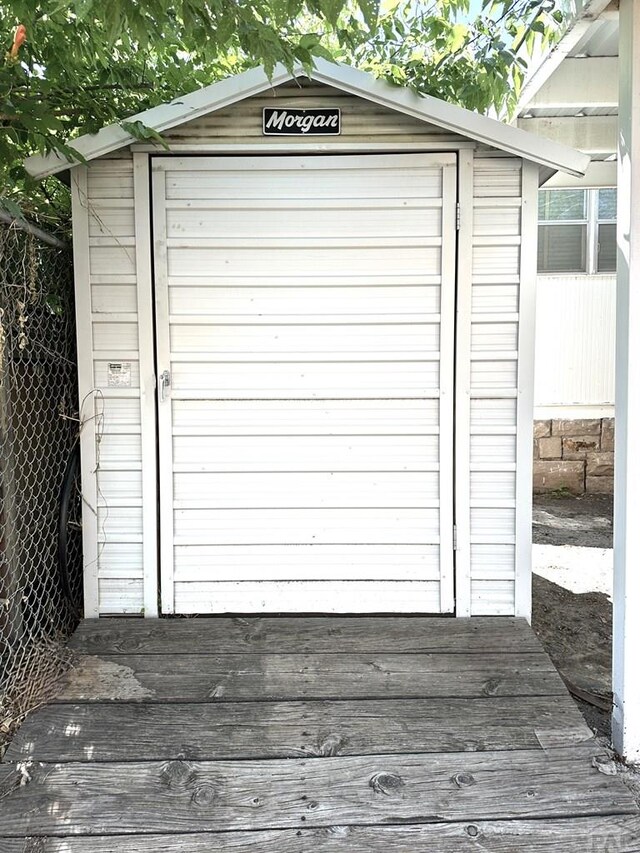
(577, 231)
(562, 233)
(606, 255)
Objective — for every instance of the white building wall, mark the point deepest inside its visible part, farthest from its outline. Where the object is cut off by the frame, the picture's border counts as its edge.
(110, 432)
(575, 346)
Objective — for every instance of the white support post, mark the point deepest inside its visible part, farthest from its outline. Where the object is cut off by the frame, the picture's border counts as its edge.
(626, 587)
(526, 358)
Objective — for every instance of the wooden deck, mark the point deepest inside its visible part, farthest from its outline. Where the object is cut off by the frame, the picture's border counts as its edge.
(310, 735)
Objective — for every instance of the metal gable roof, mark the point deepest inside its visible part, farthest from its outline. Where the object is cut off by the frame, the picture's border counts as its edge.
(425, 108)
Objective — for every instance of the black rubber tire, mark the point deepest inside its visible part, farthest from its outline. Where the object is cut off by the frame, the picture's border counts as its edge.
(69, 480)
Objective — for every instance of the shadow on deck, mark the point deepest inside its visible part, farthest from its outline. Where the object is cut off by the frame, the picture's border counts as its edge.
(320, 734)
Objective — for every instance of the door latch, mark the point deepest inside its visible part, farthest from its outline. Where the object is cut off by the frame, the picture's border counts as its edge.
(165, 383)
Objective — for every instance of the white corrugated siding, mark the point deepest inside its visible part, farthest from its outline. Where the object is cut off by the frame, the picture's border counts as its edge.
(575, 341)
(494, 365)
(362, 121)
(302, 441)
(114, 336)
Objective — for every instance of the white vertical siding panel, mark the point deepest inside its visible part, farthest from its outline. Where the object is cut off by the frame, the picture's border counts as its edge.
(119, 451)
(105, 296)
(496, 177)
(492, 562)
(489, 414)
(121, 415)
(463, 412)
(498, 258)
(446, 345)
(120, 596)
(112, 218)
(141, 183)
(121, 561)
(80, 211)
(489, 221)
(121, 488)
(164, 396)
(575, 340)
(119, 259)
(492, 598)
(110, 179)
(119, 524)
(114, 336)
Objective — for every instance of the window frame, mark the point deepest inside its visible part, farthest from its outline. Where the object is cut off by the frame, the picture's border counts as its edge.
(592, 223)
(600, 222)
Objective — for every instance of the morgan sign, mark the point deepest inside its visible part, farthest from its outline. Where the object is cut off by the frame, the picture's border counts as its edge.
(289, 121)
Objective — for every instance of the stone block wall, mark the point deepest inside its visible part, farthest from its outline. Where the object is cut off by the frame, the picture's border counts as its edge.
(575, 456)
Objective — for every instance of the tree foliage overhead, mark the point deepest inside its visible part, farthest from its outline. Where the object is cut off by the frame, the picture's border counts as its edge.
(475, 61)
(68, 68)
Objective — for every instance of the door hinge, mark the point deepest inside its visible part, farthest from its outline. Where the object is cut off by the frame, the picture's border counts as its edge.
(458, 216)
(455, 537)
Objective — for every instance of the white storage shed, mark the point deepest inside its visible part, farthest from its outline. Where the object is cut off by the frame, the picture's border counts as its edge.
(305, 332)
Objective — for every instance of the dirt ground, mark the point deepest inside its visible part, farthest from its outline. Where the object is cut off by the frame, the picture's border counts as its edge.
(575, 628)
(587, 520)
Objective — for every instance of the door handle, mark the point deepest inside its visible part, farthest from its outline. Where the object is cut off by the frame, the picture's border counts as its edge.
(165, 383)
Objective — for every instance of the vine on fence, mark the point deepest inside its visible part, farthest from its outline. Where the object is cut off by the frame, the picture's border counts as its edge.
(38, 432)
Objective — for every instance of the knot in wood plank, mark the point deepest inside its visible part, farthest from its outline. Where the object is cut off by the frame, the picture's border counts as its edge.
(463, 780)
(330, 744)
(101, 641)
(128, 644)
(203, 795)
(255, 633)
(491, 686)
(177, 775)
(386, 783)
(187, 752)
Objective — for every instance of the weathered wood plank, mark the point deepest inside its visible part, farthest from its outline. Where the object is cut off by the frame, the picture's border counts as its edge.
(610, 834)
(183, 796)
(270, 676)
(121, 732)
(321, 634)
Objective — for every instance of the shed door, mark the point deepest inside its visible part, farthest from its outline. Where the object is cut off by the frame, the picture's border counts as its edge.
(305, 317)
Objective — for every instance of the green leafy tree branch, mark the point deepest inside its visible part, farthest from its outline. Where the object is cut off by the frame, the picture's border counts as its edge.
(74, 66)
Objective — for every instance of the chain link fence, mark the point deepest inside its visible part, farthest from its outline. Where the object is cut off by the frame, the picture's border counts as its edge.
(40, 531)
